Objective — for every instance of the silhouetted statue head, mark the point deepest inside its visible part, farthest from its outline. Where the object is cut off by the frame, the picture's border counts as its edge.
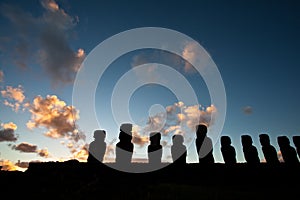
(155, 138)
(125, 134)
(225, 141)
(97, 147)
(99, 134)
(201, 129)
(228, 151)
(264, 139)
(296, 141)
(268, 150)
(124, 137)
(246, 140)
(127, 128)
(288, 152)
(250, 151)
(124, 147)
(283, 141)
(178, 149)
(178, 139)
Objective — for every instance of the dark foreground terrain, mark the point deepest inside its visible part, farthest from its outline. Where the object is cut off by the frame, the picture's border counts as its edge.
(74, 180)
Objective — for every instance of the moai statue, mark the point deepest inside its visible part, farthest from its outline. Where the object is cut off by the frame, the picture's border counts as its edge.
(249, 150)
(178, 150)
(204, 145)
(154, 148)
(124, 148)
(228, 151)
(268, 150)
(97, 147)
(289, 154)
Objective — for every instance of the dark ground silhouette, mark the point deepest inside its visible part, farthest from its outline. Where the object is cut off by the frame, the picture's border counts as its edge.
(230, 180)
(74, 180)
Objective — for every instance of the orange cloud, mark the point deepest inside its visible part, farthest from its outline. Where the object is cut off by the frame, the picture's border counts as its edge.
(7, 165)
(59, 120)
(109, 155)
(170, 109)
(171, 129)
(81, 154)
(53, 114)
(50, 5)
(43, 153)
(181, 117)
(139, 139)
(16, 94)
(9, 125)
(80, 53)
(14, 97)
(70, 145)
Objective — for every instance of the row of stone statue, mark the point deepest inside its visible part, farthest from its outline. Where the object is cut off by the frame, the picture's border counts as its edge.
(288, 153)
(124, 148)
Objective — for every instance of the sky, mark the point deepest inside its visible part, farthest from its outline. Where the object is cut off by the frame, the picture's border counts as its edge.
(43, 43)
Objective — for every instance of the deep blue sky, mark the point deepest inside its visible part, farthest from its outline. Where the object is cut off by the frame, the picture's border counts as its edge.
(255, 45)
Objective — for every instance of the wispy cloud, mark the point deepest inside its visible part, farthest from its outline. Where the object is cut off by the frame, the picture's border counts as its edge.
(193, 53)
(178, 119)
(26, 147)
(51, 5)
(189, 53)
(153, 72)
(13, 97)
(137, 138)
(48, 37)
